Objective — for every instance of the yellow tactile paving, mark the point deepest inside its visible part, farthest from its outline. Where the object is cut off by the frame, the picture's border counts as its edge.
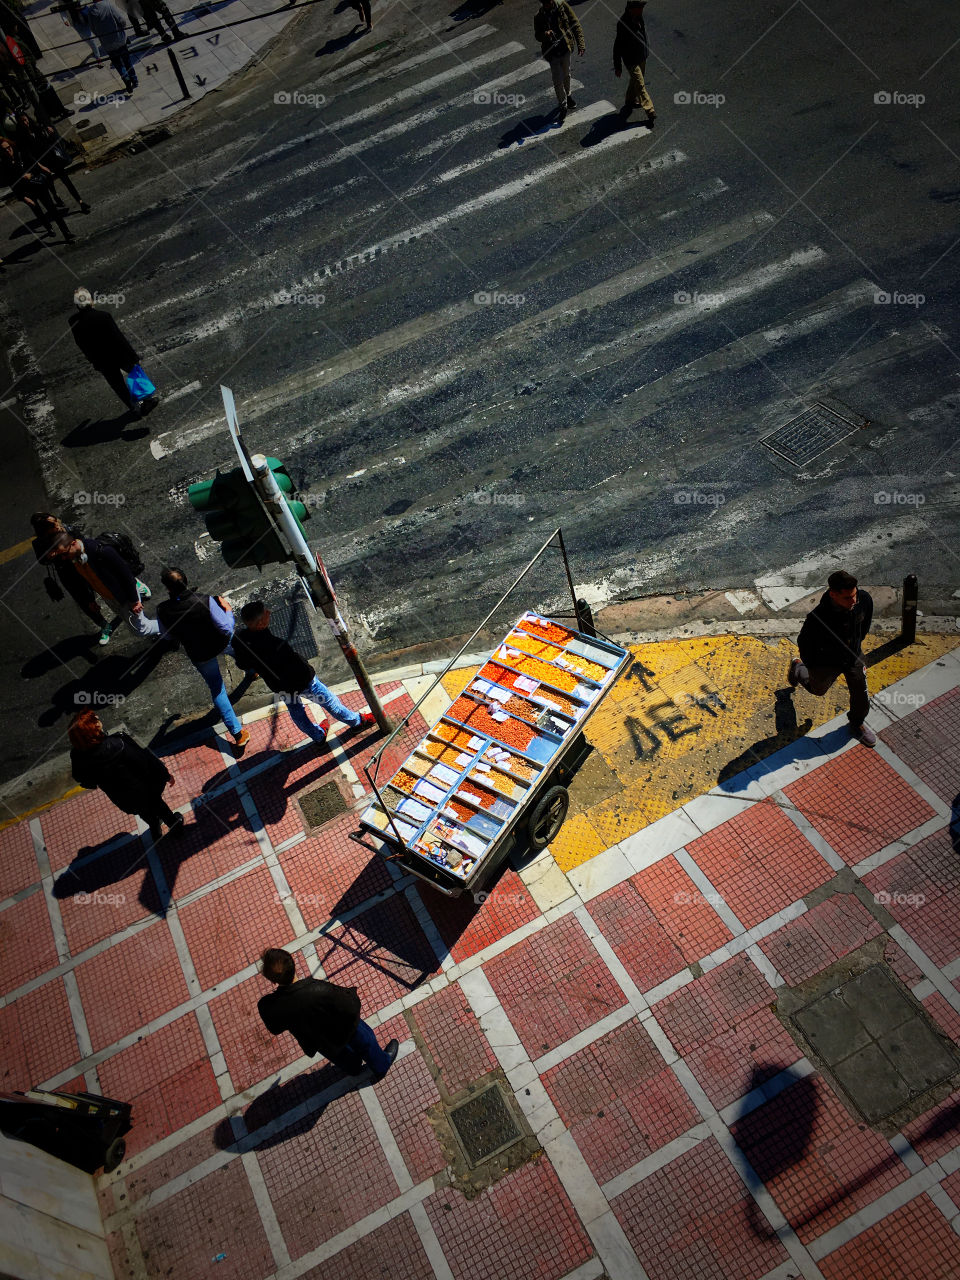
(454, 682)
(578, 842)
(688, 713)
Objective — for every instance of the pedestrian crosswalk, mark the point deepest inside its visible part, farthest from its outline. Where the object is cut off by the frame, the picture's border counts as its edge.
(432, 286)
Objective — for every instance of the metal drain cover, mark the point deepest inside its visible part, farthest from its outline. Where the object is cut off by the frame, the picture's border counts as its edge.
(484, 1125)
(814, 431)
(876, 1044)
(291, 622)
(323, 804)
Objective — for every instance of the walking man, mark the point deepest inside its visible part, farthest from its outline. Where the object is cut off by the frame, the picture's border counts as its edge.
(98, 336)
(204, 626)
(106, 574)
(155, 13)
(128, 774)
(630, 50)
(830, 646)
(558, 29)
(108, 25)
(256, 648)
(322, 1017)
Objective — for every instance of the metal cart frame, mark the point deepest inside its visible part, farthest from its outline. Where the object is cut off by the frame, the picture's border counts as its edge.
(542, 811)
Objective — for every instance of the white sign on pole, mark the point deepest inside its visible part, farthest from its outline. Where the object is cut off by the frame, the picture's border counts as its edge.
(233, 424)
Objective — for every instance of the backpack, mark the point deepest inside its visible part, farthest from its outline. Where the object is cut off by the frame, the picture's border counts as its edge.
(121, 543)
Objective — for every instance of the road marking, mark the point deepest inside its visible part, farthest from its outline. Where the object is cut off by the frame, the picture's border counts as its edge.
(180, 392)
(12, 553)
(489, 198)
(439, 51)
(387, 104)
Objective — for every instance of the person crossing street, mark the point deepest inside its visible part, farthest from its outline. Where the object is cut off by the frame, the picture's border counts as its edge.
(204, 625)
(630, 50)
(558, 29)
(256, 648)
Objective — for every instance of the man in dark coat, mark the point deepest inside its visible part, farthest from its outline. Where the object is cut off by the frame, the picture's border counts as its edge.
(256, 648)
(322, 1017)
(129, 775)
(630, 50)
(830, 643)
(33, 184)
(204, 626)
(103, 572)
(98, 336)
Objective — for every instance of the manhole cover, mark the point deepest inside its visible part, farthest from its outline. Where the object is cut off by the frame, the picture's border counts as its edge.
(484, 1125)
(876, 1043)
(323, 804)
(814, 431)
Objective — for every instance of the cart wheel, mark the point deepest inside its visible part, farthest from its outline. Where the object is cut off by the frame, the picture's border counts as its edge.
(547, 818)
(114, 1154)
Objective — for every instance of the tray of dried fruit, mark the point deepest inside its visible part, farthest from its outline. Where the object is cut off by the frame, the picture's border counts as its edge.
(470, 785)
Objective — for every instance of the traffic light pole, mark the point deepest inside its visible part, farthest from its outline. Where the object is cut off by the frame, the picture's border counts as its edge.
(316, 579)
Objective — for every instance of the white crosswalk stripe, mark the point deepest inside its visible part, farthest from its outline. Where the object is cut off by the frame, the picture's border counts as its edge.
(438, 173)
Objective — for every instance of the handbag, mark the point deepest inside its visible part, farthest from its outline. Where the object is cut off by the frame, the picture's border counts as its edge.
(138, 384)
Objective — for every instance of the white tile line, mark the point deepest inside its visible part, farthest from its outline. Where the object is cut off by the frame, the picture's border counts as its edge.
(590, 1270)
(584, 1038)
(876, 1211)
(710, 893)
(571, 1168)
(891, 851)
(431, 1244)
(808, 831)
(634, 996)
(657, 1160)
(268, 1215)
(912, 780)
(388, 1143)
(926, 965)
(46, 884)
(402, 1204)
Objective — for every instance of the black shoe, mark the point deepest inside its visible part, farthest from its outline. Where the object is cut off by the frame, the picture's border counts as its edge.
(390, 1050)
(571, 105)
(84, 207)
(176, 826)
(792, 678)
(651, 119)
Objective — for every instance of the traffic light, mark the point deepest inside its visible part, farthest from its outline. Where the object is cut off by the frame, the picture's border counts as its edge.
(237, 519)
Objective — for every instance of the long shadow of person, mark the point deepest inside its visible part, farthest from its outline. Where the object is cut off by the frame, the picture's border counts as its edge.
(108, 683)
(96, 866)
(288, 1110)
(473, 9)
(733, 776)
(606, 126)
(775, 1136)
(69, 649)
(529, 128)
(335, 44)
(125, 426)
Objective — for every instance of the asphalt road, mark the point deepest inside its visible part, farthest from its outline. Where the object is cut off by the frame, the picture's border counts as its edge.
(461, 325)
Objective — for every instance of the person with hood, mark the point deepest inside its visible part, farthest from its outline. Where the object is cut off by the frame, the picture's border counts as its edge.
(558, 29)
(98, 336)
(256, 648)
(129, 775)
(830, 646)
(109, 27)
(630, 50)
(322, 1017)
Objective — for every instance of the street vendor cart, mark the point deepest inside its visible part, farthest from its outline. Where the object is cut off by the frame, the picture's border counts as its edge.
(492, 772)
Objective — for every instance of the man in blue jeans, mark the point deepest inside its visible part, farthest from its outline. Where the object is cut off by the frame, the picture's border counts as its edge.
(204, 626)
(256, 648)
(322, 1017)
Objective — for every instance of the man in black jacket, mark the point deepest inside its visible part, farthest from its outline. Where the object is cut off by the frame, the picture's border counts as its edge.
(256, 648)
(630, 50)
(98, 336)
(204, 626)
(322, 1017)
(101, 571)
(830, 646)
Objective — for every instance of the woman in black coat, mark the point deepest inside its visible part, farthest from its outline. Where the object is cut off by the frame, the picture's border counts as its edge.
(128, 774)
(41, 144)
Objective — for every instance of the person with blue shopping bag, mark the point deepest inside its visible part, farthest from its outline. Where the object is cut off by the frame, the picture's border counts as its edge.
(100, 339)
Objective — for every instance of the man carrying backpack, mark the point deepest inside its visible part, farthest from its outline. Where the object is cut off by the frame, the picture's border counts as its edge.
(101, 571)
